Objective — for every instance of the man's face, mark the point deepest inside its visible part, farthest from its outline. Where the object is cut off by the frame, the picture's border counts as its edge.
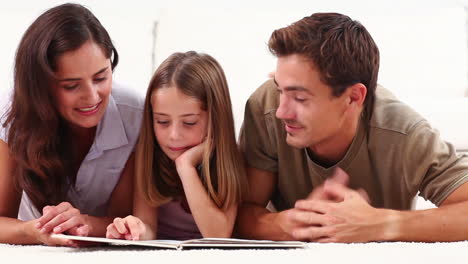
(312, 116)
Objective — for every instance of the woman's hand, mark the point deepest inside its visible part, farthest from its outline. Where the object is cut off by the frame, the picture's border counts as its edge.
(46, 238)
(128, 228)
(63, 218)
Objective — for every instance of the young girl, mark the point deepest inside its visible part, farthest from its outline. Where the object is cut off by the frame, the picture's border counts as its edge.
(67, 139)
(189, 172)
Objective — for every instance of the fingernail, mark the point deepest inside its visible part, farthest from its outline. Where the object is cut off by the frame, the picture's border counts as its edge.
(43, 230)
(37, 225)
(57, 229)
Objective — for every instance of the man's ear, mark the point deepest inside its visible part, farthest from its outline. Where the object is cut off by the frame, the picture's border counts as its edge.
(357, 94)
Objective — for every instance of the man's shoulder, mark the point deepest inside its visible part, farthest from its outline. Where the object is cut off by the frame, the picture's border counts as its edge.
(265, 99)
(392, 115)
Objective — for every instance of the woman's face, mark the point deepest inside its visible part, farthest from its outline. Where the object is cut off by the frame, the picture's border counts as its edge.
(179, 121)
(84, 81)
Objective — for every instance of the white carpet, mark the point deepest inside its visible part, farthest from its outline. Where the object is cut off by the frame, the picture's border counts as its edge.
(315, 253)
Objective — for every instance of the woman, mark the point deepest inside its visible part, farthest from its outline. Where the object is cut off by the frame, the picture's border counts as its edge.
(66, 162)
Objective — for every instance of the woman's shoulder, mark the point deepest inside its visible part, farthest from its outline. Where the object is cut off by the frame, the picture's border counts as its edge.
(126, 97)
(125, 110)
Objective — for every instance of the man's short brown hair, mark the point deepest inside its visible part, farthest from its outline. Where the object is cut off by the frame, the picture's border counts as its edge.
(341, 48)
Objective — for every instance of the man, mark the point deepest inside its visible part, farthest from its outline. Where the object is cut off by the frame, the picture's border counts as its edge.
(340, 158)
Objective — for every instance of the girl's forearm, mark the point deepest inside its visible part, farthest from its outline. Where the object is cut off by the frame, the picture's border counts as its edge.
(204, 210)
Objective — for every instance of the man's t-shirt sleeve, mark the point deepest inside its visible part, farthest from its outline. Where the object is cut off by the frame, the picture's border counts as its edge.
(256, 142)
(433, 166)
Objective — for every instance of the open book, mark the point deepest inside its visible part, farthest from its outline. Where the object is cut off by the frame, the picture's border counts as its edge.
(192, 243)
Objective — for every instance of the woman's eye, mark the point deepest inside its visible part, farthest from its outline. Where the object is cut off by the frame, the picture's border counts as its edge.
(190, 123)
(70, 87)
(162, 122)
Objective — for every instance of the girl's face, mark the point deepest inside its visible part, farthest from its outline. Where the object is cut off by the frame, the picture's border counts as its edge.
(179, 121)
(84, 81)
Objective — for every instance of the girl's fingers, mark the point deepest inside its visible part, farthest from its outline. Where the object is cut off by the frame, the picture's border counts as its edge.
(112, 232)
(135, 230)
(120, 226)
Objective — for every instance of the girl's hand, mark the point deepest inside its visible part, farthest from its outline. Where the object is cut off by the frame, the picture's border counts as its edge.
(63, 218)
(192, 157)
(128, 228)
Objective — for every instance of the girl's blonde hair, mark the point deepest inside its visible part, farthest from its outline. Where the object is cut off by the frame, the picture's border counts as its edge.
(223, 173)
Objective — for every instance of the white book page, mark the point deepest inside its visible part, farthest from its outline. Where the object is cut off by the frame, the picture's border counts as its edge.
(195, 243)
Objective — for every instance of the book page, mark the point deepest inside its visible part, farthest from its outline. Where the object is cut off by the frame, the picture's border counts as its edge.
(193, 243)
(247, 243)
(174, 244)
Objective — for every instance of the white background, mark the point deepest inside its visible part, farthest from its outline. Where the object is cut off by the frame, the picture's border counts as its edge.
(422, 42)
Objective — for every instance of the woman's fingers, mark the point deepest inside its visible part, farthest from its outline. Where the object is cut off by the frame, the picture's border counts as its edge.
(62, 217)
(50, 212)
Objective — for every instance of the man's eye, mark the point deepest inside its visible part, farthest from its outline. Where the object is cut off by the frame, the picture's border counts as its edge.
(99, 79)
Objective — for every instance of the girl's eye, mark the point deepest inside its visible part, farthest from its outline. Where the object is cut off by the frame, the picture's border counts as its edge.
(162, 122)
(190, 123)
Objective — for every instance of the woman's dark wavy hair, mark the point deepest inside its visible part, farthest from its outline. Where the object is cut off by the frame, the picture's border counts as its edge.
(37, 136)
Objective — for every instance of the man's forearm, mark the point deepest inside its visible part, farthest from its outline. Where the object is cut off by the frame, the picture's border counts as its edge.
(256, 222)
(446, 223)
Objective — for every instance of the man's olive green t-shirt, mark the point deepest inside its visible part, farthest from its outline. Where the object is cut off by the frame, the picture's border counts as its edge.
(393, 157)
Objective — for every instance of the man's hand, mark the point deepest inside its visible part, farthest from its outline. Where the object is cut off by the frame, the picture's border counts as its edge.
(350, 217)
(296, 218)
(320, 193)
(296, 221)
(339, 177)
